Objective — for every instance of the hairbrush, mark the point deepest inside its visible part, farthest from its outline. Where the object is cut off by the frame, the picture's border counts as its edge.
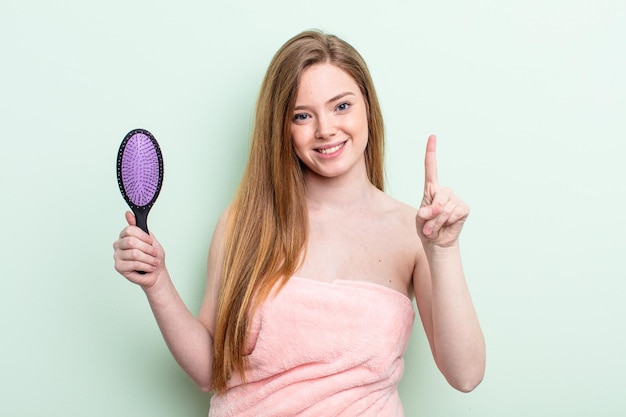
(140, 173)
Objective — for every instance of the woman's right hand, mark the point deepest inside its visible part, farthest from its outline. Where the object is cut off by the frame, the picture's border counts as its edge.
(135, 251)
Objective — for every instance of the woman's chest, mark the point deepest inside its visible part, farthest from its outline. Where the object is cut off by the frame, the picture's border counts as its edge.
(373, 250)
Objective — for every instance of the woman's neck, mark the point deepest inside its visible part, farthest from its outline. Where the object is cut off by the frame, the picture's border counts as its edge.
(339, 193)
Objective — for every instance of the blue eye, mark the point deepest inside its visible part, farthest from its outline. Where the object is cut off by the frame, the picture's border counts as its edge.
(300, 117)
(343, 106)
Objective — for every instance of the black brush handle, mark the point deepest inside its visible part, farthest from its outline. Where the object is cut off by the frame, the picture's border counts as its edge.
(141, 219)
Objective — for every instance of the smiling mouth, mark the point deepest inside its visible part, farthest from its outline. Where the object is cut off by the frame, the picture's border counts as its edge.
(333, 149)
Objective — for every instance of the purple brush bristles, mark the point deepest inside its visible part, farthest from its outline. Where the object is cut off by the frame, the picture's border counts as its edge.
(140, 170)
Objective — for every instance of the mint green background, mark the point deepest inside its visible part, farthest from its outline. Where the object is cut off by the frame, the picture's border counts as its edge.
(528, 99)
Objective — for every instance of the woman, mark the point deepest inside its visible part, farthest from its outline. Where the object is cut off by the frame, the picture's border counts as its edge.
(312, 268)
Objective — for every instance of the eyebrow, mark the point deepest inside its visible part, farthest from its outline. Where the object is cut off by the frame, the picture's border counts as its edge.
(335, 98)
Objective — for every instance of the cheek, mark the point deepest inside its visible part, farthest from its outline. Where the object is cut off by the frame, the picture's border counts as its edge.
(360, 126)
(297, 140)
(300, 135)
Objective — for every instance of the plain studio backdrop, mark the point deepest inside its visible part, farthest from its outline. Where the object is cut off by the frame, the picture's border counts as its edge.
(528, 99)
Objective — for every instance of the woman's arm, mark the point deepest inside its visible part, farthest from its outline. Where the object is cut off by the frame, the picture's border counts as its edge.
(449, 318)
(189, 339)
(441, 292)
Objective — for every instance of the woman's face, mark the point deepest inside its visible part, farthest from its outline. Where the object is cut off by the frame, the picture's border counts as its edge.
(329, 123)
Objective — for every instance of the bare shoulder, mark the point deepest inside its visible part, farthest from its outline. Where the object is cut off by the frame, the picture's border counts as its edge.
(397, 213)
(399, 218)
(402, 243)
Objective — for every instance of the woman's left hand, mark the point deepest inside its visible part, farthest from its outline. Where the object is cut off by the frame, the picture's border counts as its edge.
(441, 215)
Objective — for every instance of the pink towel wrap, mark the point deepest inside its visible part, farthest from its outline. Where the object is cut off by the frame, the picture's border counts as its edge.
(323, 349)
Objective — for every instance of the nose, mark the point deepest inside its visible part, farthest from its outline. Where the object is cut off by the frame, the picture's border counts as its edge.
(326, 127)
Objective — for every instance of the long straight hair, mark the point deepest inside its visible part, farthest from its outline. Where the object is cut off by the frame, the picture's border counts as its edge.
(267, 227)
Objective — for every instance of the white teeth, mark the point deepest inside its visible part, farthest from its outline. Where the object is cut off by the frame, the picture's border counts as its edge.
(331, 150)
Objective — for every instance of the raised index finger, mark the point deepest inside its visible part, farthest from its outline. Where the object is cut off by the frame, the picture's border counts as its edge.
(430, 161)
